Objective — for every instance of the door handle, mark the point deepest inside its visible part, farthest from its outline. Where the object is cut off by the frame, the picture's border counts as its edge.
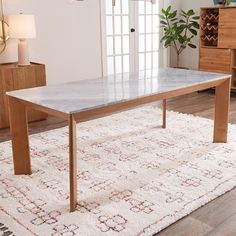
(132, 30)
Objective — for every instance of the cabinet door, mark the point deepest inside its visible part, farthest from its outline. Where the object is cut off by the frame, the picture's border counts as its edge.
(14, 78)
(215, 60)
(227, 28)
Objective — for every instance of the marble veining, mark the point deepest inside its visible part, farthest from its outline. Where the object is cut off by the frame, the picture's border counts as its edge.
(83, 95)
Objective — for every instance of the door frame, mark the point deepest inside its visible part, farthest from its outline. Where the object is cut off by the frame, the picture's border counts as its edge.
(165, 52)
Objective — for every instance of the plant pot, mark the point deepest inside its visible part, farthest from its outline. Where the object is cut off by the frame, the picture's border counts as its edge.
(220, 2)
(233, 3)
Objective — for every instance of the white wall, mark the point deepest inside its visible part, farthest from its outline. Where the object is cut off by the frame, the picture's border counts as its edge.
(189, 58)
(68, 37)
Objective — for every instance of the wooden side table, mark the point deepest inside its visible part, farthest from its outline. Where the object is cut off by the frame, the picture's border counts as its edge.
(14, 77)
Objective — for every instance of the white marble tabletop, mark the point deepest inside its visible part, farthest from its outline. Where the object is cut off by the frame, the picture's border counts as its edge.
(83, 95)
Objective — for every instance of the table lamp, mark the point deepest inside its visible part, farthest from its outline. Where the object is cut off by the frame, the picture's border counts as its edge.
(22, 27)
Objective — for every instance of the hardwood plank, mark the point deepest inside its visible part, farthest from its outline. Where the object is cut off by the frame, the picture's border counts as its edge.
(186, 227)
(217, 211)
(227, 228)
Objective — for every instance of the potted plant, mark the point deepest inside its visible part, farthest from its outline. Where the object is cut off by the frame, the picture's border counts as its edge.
(179, 31)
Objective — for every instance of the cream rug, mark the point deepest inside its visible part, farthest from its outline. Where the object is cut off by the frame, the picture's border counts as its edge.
(134, 178)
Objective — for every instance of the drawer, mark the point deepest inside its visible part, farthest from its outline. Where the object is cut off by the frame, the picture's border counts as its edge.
(215, 60)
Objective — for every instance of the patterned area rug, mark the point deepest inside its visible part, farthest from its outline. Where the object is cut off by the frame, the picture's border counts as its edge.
(134, 177)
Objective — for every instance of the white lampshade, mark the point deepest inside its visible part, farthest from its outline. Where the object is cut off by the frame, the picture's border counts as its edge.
(21, 26)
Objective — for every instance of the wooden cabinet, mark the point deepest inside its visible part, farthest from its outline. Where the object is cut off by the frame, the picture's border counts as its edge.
(227, 28)
(218, 41)
(215, 60)
(13, 77)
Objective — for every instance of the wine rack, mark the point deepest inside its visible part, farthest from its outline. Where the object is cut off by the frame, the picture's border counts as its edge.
(210, 17)
(217, 48)
(211, 38)
(209, 27)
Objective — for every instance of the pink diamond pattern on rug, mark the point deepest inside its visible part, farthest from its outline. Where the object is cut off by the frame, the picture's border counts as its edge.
(114, 223)
(141, 206)
(65, 230)
(85, 207)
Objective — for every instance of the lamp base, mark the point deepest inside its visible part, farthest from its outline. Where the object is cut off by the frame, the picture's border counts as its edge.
(23, 53)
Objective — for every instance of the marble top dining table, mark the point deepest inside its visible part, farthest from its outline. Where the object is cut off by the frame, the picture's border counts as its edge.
(89, 99)
(83, 95)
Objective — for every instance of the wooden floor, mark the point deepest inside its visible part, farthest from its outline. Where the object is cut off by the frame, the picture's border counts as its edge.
(218, 218)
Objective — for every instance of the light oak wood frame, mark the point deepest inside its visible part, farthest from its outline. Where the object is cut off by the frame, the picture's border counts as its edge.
(19, 126)
(14, 77)
(220, 57)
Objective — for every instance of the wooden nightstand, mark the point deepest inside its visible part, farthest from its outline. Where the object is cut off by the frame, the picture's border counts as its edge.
(14, 77)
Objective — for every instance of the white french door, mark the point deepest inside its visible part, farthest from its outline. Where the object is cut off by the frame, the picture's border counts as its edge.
(131, 36)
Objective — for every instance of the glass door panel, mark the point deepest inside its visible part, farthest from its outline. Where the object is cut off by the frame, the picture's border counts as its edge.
(132, 36)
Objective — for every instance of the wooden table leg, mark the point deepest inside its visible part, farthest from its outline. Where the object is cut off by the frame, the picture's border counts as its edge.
(222, 103)
(73, 163)
(164, 105)
(20, 137)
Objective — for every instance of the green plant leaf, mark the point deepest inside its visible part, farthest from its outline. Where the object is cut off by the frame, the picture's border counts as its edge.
(162, 17)
(163, 11)
(164, 38)
(183, 13)
(181, 39)
(192, 45)
(193, 31)
(195, 24)
(173, 15)
(190, 12)
(168, 9)
(163, 22)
